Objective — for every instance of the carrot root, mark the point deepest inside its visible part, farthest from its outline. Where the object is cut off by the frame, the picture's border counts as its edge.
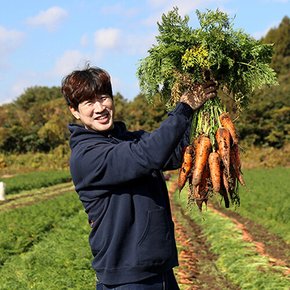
(185, 168)
(202, 151)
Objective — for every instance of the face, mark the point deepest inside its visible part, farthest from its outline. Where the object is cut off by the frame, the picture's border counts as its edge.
(96, 114)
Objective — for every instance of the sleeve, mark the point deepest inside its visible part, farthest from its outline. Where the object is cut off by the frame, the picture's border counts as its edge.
(175, 160)
(108, 164)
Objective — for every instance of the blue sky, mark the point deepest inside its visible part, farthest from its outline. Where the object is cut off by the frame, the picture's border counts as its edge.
(42, 41)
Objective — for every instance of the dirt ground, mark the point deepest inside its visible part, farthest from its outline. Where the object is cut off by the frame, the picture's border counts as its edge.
(197, 263)
(197, 268)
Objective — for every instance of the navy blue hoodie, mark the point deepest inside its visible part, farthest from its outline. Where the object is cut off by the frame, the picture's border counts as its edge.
(118, 176)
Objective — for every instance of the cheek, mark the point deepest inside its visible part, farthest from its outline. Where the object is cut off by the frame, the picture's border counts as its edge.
(113, 109)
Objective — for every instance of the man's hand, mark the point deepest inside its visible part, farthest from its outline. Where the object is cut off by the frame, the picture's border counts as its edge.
(196, 97)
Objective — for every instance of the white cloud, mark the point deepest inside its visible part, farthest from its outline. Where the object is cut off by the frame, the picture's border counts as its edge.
(84, 40)
(9, 40)
(107, 38)
(69, 61)
(185, 7)
(49, 18)
(22, 84)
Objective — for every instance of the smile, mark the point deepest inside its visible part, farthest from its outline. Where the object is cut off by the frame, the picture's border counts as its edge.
(103, 118)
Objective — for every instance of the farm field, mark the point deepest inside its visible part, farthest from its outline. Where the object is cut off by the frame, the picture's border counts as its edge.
(44, 237)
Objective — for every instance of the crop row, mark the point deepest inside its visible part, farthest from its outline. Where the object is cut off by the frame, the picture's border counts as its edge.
(61, 258)
(35, 179)
(238, 259)
(266, 199)
(24, 227)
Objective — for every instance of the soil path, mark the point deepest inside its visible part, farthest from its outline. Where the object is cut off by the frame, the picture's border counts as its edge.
(30, 197)
(195, 255)
(274, 248)
(196, 262)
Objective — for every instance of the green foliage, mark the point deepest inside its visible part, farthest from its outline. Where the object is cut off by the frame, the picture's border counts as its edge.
(36, 121)
(37, 95)
(56, 159)
(184, 56)
(280, 37)
(141, 115)
(24, 227)
(266, 120)
(36, 179)
(52, 252)
(120, 107)
(266, 199)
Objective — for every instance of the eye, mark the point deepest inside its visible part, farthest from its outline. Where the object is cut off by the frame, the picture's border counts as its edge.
(87, 103)
(103, 98)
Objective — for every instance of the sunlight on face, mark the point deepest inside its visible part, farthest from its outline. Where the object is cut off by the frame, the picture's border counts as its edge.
(96, 114)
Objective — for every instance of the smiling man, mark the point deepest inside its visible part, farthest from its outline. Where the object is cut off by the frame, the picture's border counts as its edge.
(118, 177)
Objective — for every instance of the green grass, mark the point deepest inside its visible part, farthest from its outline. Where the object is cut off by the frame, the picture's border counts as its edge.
(45, 246)
(62, 260)
(266, 199)
(36, 179)
(237, 259)
(22, 228)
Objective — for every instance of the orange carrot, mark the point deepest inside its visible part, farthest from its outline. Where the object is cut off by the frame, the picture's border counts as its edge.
(205, 180)
(235, 198)
(203, 187)
(197, 196)
(227, 123)
(225, 189)
(215, 171)
(185, 168)
(223, 141)
(202, 150)
(236, 163)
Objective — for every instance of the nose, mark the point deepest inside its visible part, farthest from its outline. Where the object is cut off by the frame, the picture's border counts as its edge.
(98, 107)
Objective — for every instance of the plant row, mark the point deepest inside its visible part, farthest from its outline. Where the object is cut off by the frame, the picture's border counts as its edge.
(266, 199)
(61, 259)
(237, 259)
(36, 179)
(22, 228)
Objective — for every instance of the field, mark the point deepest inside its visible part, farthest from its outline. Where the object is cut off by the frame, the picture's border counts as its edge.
(44, 236)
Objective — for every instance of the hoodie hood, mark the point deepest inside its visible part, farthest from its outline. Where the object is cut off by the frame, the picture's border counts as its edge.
(80, 133)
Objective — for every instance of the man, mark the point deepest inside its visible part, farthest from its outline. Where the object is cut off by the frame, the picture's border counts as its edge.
(118, 177)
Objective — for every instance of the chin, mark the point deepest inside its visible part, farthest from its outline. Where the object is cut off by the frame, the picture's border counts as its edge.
(103, 127)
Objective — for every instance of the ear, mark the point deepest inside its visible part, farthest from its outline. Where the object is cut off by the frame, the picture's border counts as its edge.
(74, 112)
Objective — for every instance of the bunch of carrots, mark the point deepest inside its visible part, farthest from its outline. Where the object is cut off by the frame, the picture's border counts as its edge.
(213, 165)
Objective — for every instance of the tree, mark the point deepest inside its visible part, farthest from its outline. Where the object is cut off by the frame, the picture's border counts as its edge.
(145, 116)
(280, 37)
(266, 120)
(120, 107)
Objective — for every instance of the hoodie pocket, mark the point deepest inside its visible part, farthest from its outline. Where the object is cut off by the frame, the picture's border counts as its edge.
(155, 244)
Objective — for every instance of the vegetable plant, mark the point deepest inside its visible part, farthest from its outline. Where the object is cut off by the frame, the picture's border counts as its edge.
(183, 57)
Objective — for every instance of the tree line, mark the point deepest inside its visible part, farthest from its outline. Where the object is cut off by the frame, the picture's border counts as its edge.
(37, 120)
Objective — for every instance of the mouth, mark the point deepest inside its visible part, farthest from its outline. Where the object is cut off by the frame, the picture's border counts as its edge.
(104, 118)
